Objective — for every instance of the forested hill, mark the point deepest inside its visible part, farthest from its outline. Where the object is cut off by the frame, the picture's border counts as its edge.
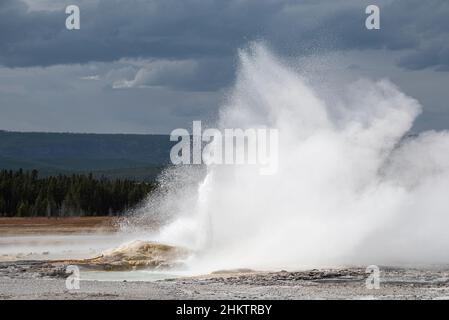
(25, 194)
(115, 155)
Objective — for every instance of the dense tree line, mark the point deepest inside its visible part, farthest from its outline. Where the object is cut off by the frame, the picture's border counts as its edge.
(25, 194)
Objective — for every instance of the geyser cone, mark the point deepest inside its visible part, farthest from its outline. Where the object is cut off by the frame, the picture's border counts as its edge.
(135, 255)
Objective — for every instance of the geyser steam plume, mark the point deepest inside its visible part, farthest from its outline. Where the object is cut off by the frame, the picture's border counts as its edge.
(352, 186)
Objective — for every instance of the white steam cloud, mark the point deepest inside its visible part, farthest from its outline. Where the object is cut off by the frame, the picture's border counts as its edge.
(352, 187)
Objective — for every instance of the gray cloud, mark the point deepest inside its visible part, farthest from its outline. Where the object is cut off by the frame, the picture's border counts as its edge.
(153, 65)
(67, 98)
(195, 75)
(192, 29)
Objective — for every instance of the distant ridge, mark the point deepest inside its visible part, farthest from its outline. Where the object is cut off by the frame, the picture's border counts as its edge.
(109, 154)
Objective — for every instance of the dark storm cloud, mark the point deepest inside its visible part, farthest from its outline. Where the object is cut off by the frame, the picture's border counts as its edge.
(111, 30)
(142, 66)
(195, 29)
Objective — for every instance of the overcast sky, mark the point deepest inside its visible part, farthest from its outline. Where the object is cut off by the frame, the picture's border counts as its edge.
(149, 66)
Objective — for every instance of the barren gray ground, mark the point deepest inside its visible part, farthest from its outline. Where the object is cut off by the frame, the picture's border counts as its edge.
(69, 238)
(40, 280)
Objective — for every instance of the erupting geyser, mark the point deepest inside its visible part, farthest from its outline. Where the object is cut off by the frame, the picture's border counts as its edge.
(351, 188)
